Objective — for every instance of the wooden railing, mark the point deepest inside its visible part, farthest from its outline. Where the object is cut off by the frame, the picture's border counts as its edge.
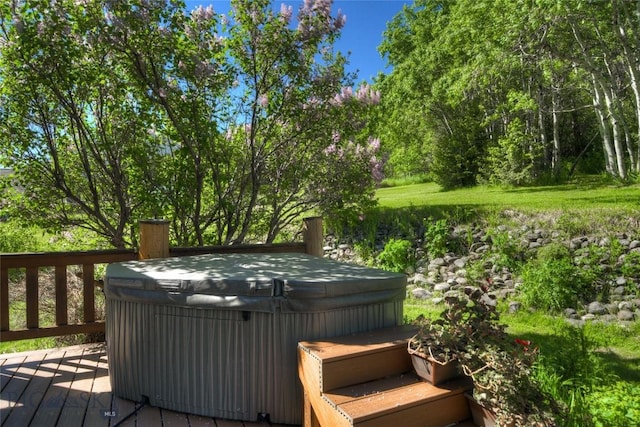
(32, 263)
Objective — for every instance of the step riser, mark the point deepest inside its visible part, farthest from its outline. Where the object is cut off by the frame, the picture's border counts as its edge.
(365, 367)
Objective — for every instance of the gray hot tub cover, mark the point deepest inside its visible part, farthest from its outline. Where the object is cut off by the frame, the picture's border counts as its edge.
(254, 282)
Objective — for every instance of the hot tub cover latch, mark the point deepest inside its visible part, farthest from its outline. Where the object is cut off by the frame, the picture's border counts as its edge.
(278, 287)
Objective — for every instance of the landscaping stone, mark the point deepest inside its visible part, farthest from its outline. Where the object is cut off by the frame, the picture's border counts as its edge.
(619, 290)
(626, 315)
(442, 287)
(450, 273)
(596, 307)
(625, 305)
(421, 293)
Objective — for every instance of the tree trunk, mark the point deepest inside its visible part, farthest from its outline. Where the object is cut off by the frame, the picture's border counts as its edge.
(605, 128)
(615, 120)
(632, 59)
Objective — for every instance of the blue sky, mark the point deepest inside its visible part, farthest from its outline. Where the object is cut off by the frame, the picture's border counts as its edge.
(366, 21)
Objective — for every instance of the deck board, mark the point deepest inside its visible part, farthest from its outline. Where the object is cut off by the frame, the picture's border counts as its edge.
(70, 387)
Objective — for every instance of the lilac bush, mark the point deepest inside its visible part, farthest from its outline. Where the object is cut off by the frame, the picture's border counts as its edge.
(224, 124)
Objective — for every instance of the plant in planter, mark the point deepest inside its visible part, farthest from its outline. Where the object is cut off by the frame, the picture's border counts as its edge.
(438, 342)
(501, 369)
(503, 384)
(433, 350)
(468, 332)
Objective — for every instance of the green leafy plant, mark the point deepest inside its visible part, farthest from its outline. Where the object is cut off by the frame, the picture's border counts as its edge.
(631, 266)
(617, 405)
(397, 255)
(551, 281)
(364, 251)
(505, 250)
(436, 237)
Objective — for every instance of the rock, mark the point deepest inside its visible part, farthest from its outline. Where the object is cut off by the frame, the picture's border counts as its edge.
(621, 281)
(619, 290)
(607, 318)
(442, 287)
(626, 315)
(596, 307)
(437, 300)
(460, 262)
(437, 262)
(534, 245)
(419, 279)
(588, 316)
(421, 293)
(634, 244)
(625, 305)
(576, 243)
(575, 322)
(483, 249)
(489, 300)
(514, 307)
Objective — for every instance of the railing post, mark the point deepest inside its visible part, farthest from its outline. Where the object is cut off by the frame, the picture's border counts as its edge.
(313, 236)
(154, 239)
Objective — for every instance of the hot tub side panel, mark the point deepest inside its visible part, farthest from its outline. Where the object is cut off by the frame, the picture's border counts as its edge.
(223, 363)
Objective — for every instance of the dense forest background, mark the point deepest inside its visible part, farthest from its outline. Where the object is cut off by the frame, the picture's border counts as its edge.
(512, 92)
(233, 126)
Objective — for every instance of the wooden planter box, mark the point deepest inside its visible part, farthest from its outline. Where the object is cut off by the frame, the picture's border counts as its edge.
(433, 371)
(482, 417)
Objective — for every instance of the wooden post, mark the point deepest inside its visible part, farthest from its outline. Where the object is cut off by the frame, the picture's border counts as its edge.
(313, 236)
(154, 239)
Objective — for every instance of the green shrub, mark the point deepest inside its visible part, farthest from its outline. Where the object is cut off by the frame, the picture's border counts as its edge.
(436, 237)
(398, 255)
(550, 281)
(364, 250)
(590, 262)
(553, 251)
(631, 265)
(506, 251)
(16, 238)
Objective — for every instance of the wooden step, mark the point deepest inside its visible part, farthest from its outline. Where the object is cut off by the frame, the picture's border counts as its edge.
(401, 400)
(368, 380)
(357, 358)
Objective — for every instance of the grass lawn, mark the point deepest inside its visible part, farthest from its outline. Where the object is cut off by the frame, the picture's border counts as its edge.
(583, 194)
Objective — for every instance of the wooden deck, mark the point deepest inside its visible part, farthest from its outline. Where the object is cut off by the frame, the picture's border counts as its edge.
(70, 387)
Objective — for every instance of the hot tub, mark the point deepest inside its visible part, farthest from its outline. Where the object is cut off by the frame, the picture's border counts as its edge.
(216, 335)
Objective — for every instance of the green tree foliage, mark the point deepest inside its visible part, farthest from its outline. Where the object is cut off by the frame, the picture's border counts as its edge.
(508, 92)
(229, 126)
